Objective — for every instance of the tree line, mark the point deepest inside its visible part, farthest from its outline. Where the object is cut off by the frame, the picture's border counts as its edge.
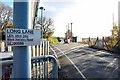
(6, 21)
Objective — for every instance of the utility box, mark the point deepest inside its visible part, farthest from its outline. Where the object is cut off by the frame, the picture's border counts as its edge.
(74, 39)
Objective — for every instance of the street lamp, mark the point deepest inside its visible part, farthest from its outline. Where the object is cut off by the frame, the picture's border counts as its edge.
(71, 31)
(41, 8)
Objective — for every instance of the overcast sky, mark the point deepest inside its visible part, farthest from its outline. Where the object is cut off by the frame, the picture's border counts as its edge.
(90, 18)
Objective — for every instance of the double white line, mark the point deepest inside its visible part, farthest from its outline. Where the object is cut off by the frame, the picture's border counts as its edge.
(83, 76)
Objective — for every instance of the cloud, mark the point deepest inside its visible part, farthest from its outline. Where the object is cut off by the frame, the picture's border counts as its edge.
(58, 1)
(51, 8)
(90, 18)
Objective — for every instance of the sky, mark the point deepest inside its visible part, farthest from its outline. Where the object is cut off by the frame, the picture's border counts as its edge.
(90, 18)
(8, 2)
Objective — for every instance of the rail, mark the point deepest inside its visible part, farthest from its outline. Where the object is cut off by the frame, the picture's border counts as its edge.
(40, 67)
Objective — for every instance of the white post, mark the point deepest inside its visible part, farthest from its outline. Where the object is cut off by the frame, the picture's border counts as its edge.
(2, 46)
(9, 48)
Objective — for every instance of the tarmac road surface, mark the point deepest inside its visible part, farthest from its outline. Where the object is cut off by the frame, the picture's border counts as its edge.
(78, 61)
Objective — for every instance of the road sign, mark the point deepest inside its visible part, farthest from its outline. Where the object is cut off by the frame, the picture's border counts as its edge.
(22, 37)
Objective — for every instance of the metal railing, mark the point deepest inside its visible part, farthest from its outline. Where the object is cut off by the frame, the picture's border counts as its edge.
(38, 68)
(6, 65)
(43, 64)
(41, 71)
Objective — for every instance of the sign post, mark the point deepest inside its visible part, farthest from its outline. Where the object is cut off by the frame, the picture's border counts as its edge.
(21, 54)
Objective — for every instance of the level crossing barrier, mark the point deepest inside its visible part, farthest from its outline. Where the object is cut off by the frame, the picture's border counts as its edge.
(104, 44)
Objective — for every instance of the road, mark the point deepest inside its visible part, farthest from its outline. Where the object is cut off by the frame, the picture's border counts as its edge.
(78, 61)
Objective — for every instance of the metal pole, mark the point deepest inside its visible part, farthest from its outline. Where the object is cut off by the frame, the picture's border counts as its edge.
(119, 24)
(42, 8)
(71, 32)
(21, 54)
(41, 22)
(68, 26)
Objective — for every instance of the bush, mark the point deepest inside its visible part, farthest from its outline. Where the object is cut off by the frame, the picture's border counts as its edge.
(53, 40)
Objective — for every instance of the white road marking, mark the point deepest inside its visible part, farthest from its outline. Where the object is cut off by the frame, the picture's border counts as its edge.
(111, 63)
(53, 51)
(72, 63)
(65, 52)
(74, 48)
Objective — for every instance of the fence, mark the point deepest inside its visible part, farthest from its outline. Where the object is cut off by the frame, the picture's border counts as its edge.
(43, 64)
(3, 47)
(37, 50)
(42, 49)
(104, 43)
(37, 69)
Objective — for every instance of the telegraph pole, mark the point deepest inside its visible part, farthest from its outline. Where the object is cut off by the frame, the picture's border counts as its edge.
(113, 19)
(119, 24)
(68, 27)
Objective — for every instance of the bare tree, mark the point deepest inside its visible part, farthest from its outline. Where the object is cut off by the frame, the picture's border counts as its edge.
(48, 27)
(6, 13)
